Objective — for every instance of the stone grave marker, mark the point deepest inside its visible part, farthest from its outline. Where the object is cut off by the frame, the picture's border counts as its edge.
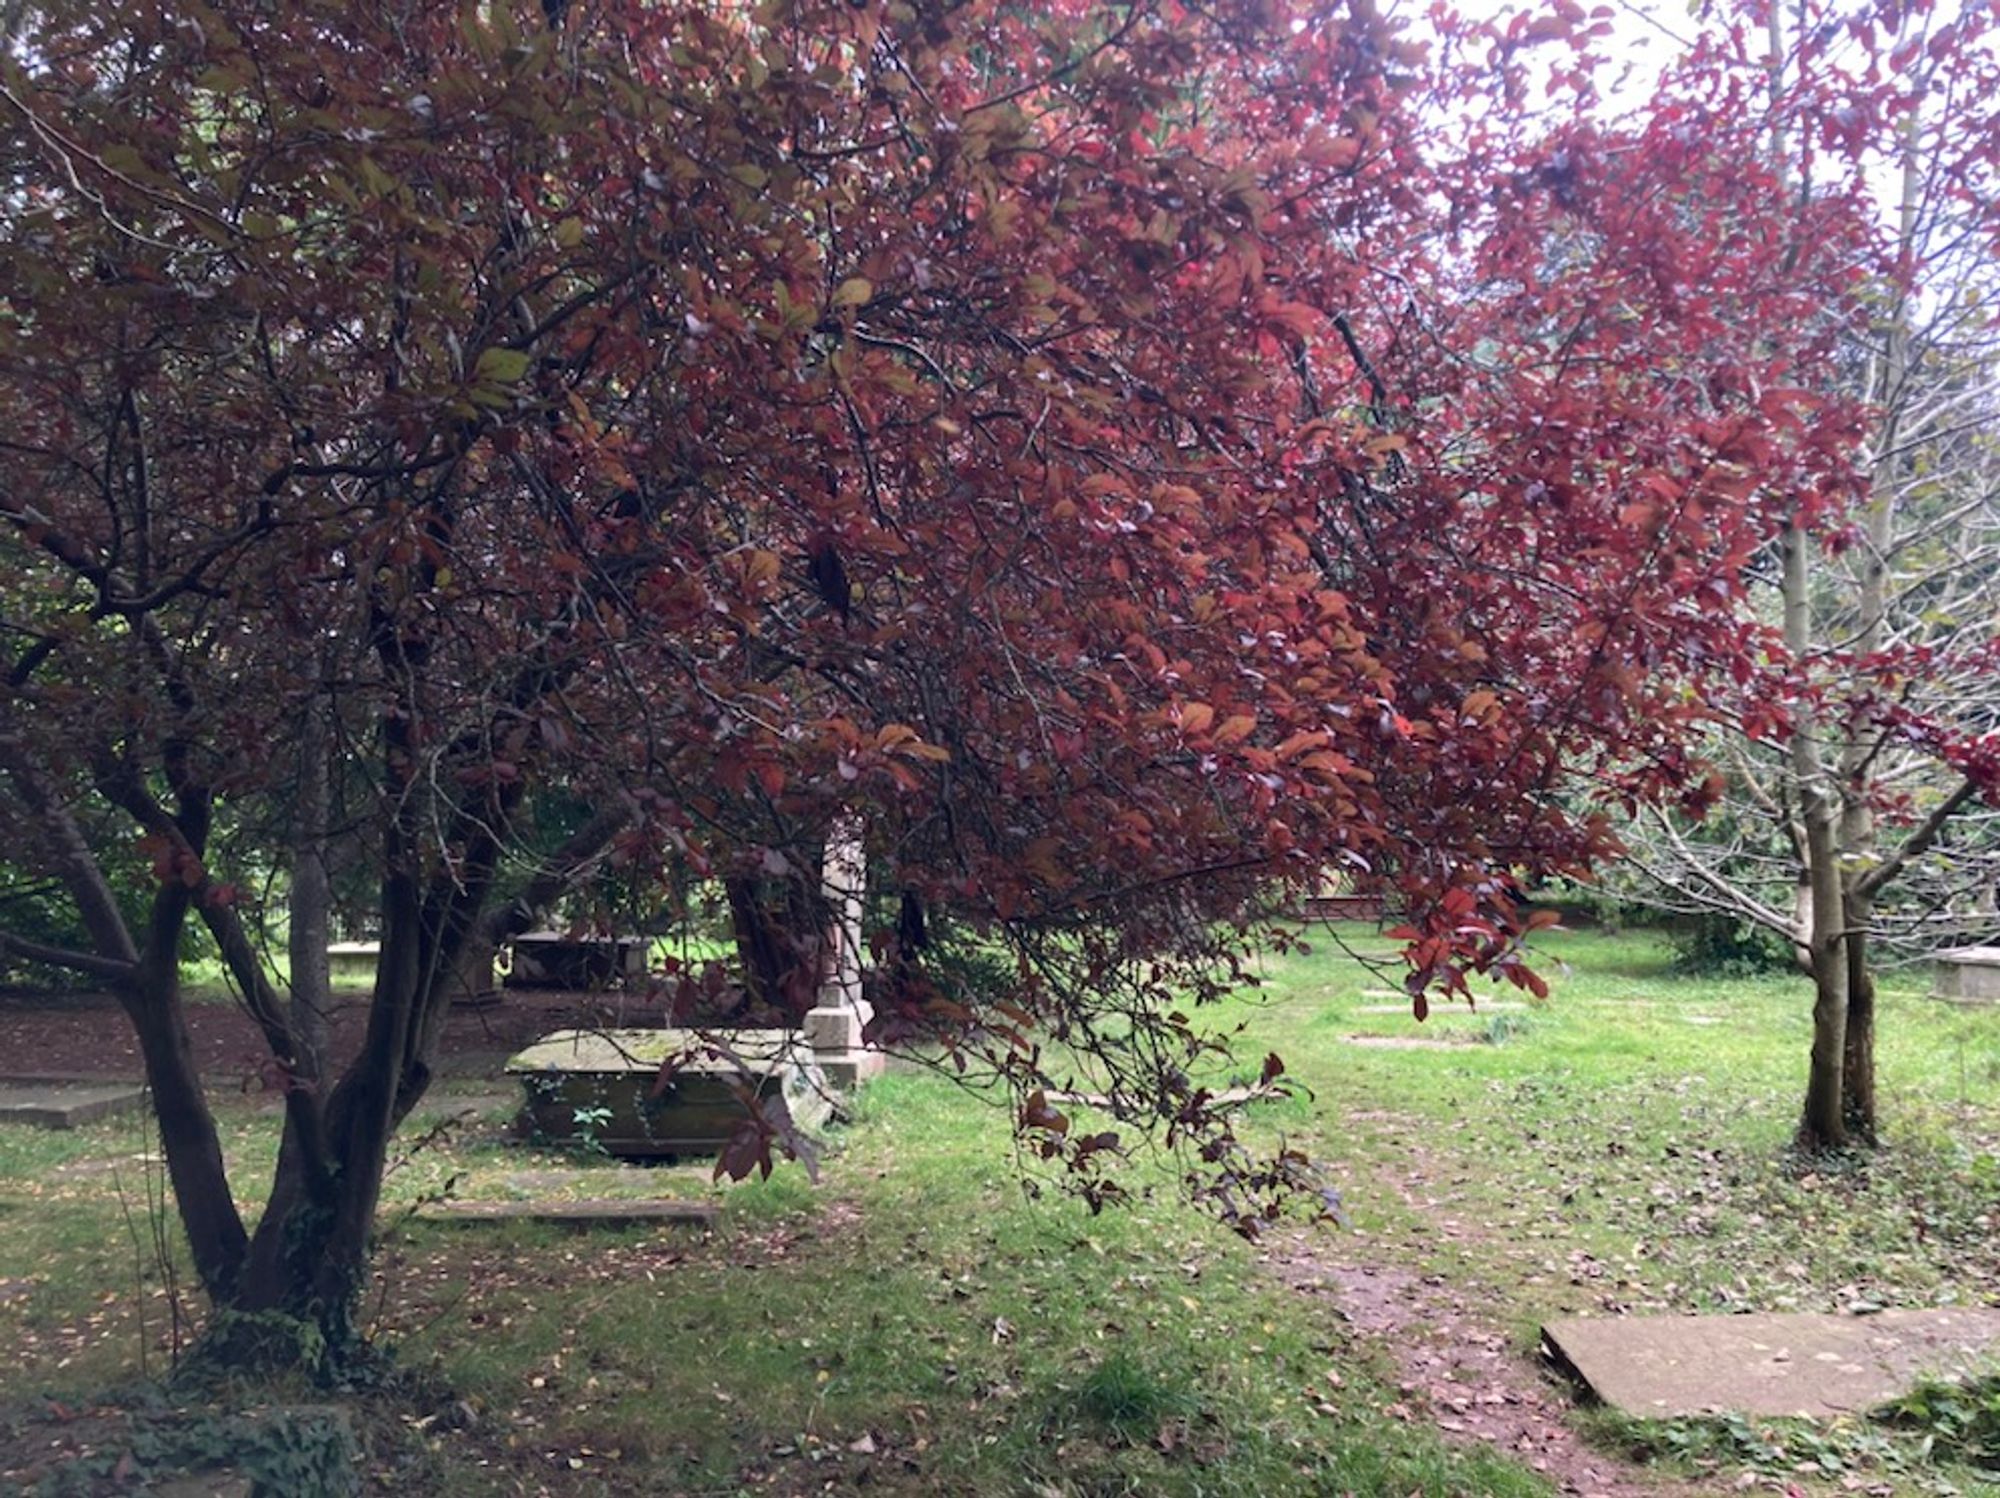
(582, 1212)
(553, 959)
(1967, 975)
(1815, 1366)
(834, 1025)
(597, 1087)
(66, 1105)
(352, 961)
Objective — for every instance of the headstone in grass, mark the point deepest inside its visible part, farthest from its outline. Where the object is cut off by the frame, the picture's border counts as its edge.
(836, 1026)
(66, 1105)
(1799, 1364)
(1967, 975)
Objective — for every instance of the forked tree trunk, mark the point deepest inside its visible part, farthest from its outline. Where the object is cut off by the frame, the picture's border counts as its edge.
(308, 1258)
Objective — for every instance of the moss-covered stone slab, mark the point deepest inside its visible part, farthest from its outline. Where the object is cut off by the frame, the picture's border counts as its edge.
(1813, 1366)
(601, 1089)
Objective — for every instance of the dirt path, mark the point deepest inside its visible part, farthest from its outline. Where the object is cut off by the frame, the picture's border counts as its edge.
(1458, 1371)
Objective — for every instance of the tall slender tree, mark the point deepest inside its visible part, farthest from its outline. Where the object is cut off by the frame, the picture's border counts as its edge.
(1859, 760)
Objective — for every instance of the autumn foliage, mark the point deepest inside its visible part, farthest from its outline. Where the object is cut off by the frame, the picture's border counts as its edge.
(1130, 459)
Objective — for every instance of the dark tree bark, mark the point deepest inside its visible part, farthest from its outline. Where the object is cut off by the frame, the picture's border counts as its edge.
(1857, 1090)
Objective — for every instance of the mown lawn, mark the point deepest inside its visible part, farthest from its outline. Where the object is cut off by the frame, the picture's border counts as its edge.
(917, 1322)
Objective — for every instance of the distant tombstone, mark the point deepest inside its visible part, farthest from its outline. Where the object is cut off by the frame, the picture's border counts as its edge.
(1967, 975)
(352, 961)
(834, 1025)
(552, 959)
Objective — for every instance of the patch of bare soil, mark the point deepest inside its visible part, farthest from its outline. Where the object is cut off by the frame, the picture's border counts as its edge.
(86, 1035)
(1458, 1372)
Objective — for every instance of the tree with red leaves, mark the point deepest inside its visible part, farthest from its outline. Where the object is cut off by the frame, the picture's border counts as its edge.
(1858, 746)
(1122, 460)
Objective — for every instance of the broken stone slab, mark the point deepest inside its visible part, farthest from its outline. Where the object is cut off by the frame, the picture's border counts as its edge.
(583, 1212)
(66, 1105)
(1789, 1364)
(1967, 975)
(98, 1168)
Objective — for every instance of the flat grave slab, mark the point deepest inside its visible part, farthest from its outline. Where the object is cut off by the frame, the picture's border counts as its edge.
(1413, 1042)
(66, 1105)
(1815, 1366)
(583, 1212)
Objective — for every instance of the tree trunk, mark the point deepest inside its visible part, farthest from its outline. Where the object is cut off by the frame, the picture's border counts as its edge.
(311, 904)
(188, 1138)
(1823, 1125)
(309, 1258)
(1859, 839)
(1858, 1058)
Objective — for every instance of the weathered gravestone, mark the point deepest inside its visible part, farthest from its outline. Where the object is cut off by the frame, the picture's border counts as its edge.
(552, 959)
(1967, 975)
(472, 986)
(353, 961)
(66, 1105)
(580, 1212)
(834, 1025)
(1815, 1366)
(602, 1088)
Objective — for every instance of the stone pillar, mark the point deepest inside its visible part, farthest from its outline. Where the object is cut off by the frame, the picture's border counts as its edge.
(833, 1026)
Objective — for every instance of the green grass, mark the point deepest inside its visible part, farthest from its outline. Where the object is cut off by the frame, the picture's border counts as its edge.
(919, 1321)
(1643, 1120)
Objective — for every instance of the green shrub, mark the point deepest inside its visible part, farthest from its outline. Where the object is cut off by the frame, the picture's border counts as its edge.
(1958, 1421)
(1712, 945)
